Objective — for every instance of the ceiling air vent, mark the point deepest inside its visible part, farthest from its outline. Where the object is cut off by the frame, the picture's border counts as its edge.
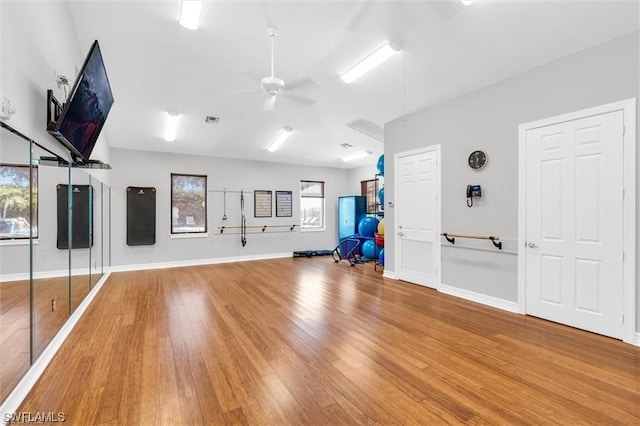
(368, 128)
(211, 119)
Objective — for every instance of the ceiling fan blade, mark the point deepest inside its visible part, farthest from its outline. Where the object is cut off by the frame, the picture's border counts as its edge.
(360, 15)
(252, 76)
(247, 92)
(267, 15)
(303, 100)
(303, 84)
(446, 10)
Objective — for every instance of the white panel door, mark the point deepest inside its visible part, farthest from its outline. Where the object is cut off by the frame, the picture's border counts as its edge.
(417, 212)
(574, 223)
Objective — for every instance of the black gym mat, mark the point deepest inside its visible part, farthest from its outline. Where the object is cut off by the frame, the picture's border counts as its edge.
(141, 216)
(81, 218)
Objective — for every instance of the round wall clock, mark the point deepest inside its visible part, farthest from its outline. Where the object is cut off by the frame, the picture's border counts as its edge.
(478, 159)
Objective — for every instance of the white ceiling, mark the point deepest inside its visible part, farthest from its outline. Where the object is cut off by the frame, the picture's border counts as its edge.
(156, 65)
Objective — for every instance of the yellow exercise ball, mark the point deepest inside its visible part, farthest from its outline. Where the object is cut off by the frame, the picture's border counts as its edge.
(381, 227)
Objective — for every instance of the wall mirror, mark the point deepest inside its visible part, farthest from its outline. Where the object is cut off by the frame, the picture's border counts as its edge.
(54, 248)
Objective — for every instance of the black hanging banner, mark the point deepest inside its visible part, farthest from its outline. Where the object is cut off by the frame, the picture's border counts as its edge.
(141, 216)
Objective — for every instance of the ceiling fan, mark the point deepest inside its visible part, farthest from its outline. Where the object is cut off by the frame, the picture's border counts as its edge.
(273, 87)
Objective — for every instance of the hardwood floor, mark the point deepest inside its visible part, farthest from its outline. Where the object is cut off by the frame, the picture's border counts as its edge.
(307, 341)
(15, 320)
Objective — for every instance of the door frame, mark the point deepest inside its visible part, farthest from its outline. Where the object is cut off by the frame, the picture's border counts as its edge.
(628, 108)
(396, 190)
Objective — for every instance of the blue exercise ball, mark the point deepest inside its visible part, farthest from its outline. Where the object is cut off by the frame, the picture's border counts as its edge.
(381, 257)
(368, 226)
(370, 250)
(380, 165)
(381, 195)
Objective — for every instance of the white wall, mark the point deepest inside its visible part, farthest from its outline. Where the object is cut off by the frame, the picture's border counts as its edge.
(38, 42)
(488, 119)
(135, 168)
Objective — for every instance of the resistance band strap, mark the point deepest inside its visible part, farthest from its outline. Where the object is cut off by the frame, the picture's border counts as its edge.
(243, 221)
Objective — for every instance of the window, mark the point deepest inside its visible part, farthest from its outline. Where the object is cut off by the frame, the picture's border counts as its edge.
(188, 204)
(368, 189)
(311, 204)
(18, 218)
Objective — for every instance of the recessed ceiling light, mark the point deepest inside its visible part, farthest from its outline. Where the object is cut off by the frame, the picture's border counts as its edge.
(284, 133)
(371, 61)
(171, 126)
(360, 154)
(190, 14)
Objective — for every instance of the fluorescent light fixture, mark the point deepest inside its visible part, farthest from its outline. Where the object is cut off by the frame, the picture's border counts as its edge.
(466, 2)
(171, 126)
(285, 132)
(360, 154)
(374, 59)
(190, 14)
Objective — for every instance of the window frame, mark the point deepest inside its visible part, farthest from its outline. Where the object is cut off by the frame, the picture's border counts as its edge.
(321, 196)
(178, 234)
(372, 197)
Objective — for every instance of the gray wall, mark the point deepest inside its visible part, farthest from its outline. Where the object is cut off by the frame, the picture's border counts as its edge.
(135, 168)
(488, 119)
(359, 174)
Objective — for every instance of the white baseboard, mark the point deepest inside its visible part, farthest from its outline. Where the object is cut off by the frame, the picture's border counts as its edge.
(198, 262)
(389, 274)
(495, 302)
(637, 342)
(19, 393)
(44, 275)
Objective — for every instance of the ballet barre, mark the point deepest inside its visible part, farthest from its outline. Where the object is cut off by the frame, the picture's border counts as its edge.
(262, 227)
(452, 238)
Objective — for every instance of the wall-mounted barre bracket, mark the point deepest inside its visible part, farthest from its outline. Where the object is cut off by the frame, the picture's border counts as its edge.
(452, 240)
(498, 244)
(222, 229)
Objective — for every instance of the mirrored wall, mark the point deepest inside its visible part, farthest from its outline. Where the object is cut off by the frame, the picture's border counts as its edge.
(54, 248)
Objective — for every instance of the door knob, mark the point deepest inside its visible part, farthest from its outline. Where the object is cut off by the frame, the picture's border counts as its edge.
(400, 234)
(532, 245)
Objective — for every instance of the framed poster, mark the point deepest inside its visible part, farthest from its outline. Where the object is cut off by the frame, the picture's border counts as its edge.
(262, 203)
(284, 203)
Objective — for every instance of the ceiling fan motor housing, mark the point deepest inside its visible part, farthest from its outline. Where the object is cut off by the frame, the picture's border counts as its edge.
(271, 85)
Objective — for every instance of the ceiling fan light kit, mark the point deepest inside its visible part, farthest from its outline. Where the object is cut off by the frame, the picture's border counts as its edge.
(190, 14)
(272, 85)
(369, 62)
(284, 133)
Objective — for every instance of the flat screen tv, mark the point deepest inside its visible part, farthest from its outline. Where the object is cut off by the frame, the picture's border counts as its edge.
(79, 120)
